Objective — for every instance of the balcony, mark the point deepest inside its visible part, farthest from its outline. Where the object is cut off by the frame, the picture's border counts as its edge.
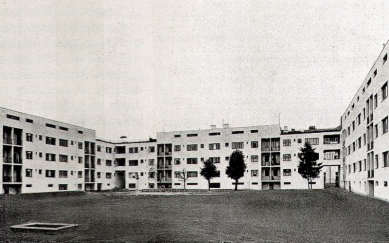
(275, 162)
(265, 163)
(265, 178)
(168, 153)
(275, 148)
(161, 153)
(265, 149)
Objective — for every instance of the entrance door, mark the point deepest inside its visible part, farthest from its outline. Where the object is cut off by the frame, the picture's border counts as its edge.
(371, 188)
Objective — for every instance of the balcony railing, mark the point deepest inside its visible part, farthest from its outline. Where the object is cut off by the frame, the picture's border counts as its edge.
(265, 163)
(7, 159)
(275, 162)
(168, 153)
(7, 178)
(265, 148)
(7, 140)
(265, 178)
(275, 148)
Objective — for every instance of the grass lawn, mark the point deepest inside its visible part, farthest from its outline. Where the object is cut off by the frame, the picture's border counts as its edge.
(247, 216)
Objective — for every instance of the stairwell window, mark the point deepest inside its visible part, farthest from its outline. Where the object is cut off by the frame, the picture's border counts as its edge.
(237, 145)
(191, 147)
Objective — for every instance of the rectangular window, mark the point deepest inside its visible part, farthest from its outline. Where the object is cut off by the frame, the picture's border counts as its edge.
(299, 140)
(177, 147)
(79, 174)
(79, 145)
(177, 174)
(50, 140)
(359, 142)
(151, 162)
(63, 158)
(385, 125)
(375, 101)
(13, 117)
(133, 162)
(29, 120)
(237, 132)
(312, 141)
(50, 173)
(214, 134)
(63, 174)
(191, 161)
(192, 174)
(254, 144)
(177, 161)
(63, 142)
(254, 158)
(254, 131)
(29, 137)
(376, 161)
(177, 136)
(108, 150)
(51, 125)
(80, 132)
(29, 154)
(237, 145)
(364, 139)
(376, 130)
(385, 158)
(133, 150)
(384, 58)
(287, 157)
(50, 157)
(108, 175)
(108, 162)
(63, 128)
(191, 147)
(214, 146)
(254, 173)
(62, 187)
(28, 172)
(287, 172)
(215, 160)
(384, 91)
(286, 142)
(98, 148)
(192, 135)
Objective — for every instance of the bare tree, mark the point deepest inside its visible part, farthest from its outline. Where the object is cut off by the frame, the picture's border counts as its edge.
(183, 176)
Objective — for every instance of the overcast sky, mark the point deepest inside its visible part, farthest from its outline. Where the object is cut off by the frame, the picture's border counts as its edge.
(135, 68)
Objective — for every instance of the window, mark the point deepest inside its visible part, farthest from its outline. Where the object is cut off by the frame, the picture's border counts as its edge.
(29, 137)
(191, 147)
(287, 172)
(108, 175)
(133, 150)
(151, 162)
(384, 91)
(50, 157)
(299, 140)
(215, 160)
(254, 144)
(368, 82)
(192, 135)
(254, 158)
(376, 130)
(98, 161)
(63, 158)
(331, 154)
(79, 145)
(177, 136)
(359, 119)
(133, 162)
(214, 146)
(227, 145)
(29, 120)
(50, 173)
(287, 157)
(376, 161)
(384, 58)
(29, 154)
(237, 145)
(151, 149)
(13, 117)
(80, 160)
(62, 187)
(79, 174)
(63, 174)
(63, 142)
(353, 125)
(108, 150)
(108, 162)
(63, 128)
(98, 175)
(312, 141)
(385, 125)
(177, 161)
(50, 140)
(364, 139)
(385, 158)
(237, 132)
(375, 101)
(177, 174)
(51, 125)
(375, 72)
(214, 134)
(286, 142)
(28, 172)
(191, 161)
(40, 138)
(98, 148)
(80, 132)
(359, 142)
(254, 131)
(192, 174)
(360, 165)
(177, 147)
(254, 173)
(151, 174)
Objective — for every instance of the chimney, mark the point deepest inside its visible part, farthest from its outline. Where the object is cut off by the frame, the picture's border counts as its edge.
(312, 128)
(213, 126)
(226, 125)
(285, 128)
(293, 130)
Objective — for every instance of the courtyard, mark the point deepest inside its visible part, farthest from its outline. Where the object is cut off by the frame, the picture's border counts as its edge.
(330, 215)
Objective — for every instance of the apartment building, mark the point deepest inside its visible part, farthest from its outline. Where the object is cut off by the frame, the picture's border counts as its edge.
(184, 151)
(365, 136)
(326, 143)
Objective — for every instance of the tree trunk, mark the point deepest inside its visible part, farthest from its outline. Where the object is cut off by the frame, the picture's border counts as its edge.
(209, 185)
(308, 183)
(184, 184)
(236, 185)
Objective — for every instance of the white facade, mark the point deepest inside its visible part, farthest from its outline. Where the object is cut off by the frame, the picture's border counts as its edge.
(365, 134)
(326, 143)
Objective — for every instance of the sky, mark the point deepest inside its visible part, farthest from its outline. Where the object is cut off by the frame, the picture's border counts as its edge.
(135, 68)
